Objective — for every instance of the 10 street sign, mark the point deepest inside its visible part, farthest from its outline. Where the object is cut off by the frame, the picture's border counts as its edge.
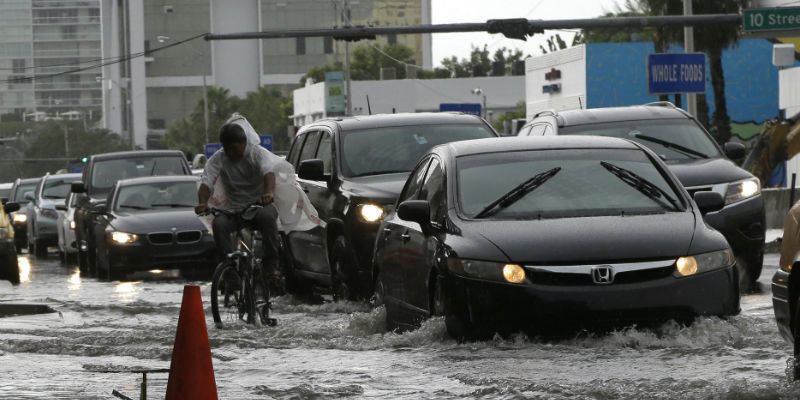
(771, 19)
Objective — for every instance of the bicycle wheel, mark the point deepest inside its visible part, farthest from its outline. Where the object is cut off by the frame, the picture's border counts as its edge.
(262, 303)
(229, 302)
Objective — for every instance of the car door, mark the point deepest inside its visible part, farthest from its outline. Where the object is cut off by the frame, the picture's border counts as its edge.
(420, 249)
(392, 240)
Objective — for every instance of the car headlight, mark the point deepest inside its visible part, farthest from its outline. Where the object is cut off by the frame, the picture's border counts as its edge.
(5, 233)
(371, 212)
(699, 263)
(72, 225)
(494, 271)
(123, 237)
(20, 218)
(742, 190)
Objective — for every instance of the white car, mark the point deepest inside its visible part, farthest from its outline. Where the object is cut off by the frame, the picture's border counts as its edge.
(67, 248)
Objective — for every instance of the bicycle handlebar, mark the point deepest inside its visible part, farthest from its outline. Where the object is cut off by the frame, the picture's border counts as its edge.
(217, 211)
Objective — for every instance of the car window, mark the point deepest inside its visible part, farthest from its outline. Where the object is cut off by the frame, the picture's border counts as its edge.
(584, 183)
(294, 152)
(414, 182)
(156, 195)
(19, 195)
(56, 188)
(683, 132)
(324, 151)
(108, 172)
(433, 190)
(5, 192)
(398, 148)
(309, 150)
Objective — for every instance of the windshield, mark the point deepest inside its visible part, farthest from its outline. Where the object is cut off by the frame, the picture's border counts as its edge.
(157, 195)
(658, 135)
(106, 173)
(19, 195)
(57, 188)
(398, 148)
(579, 183)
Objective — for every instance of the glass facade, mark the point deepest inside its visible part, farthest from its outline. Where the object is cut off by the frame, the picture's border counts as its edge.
(41, 42)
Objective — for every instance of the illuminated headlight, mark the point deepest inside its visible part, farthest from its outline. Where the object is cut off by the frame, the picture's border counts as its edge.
(123, 237)
(691, 265)
(20, 218)
(370, 212)
(72, 225)
(494, 271)
(5, 233)
(742, 190)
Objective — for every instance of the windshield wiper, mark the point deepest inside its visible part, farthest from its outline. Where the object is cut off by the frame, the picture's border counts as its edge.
(671, 145)
(170, 205)
(641, 184)
(133, 206)
(517, 192)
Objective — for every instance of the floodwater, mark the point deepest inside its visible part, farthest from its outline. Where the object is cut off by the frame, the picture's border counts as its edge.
(341, 350)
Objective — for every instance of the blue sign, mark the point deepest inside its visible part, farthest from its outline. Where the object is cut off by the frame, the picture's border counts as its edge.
(466, 108)
(75, 170)
(211, 148)
(676, 73)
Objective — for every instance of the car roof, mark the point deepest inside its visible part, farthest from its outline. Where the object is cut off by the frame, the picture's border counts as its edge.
(399, 119)
(157, 179)
(137, 153)
(29, 180)
(613, 114)
(6, 185)
(64, 176)
(525, 143)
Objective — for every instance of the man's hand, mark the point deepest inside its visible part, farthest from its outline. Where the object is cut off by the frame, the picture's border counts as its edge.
(200, 209)
(267, 198)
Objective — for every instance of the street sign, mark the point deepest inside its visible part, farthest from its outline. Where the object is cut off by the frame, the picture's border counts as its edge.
(211, 148)
(771, 19)
(676, 73)
(75, 169)
(467, 108)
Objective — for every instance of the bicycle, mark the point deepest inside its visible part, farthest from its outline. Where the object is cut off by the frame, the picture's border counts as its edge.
(238, 288)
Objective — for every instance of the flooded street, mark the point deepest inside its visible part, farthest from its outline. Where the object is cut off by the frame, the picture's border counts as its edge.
(341, 350)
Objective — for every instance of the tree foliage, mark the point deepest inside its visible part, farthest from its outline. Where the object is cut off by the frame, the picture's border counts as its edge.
(507, 117)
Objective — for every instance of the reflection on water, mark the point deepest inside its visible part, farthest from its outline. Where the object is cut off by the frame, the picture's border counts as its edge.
(24, 269)
(75, 279)
(127, 291)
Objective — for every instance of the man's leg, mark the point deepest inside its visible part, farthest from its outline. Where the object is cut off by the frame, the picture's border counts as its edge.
(266, 221)
(223, 228)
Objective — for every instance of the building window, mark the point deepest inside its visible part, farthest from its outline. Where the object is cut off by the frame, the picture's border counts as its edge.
(18, 66)
(157, 123)
(327, 43)
(392, 38)
(300, 46)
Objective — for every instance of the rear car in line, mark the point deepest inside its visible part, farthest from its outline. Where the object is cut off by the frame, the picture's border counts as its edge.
(42, 214)
(20, 217)
(67, 247)
(579, 232)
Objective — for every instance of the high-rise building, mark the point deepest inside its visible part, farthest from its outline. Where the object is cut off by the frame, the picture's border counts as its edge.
(146, 94)
(42, 40)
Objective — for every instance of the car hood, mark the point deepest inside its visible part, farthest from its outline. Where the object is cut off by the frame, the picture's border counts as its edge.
(591, 239)
(157, 221)
(710, 171)
(385, 186)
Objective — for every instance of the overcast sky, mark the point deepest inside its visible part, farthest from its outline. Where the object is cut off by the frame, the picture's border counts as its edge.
(446, 45)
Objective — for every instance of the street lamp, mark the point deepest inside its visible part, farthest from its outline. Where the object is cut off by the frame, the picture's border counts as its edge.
(162, 39)
(479, 92)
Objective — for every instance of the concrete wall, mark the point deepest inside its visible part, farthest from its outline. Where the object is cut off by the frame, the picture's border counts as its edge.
(776, 205)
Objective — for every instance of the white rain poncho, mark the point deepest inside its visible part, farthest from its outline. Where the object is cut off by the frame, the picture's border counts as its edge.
(294, 209)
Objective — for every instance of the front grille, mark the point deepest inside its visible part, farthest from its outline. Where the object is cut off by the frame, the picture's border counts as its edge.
(160, 238)
(643, 275)
(189, 236)
(552, 278)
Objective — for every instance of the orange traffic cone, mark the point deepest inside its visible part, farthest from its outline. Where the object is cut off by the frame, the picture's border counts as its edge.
(191, 374)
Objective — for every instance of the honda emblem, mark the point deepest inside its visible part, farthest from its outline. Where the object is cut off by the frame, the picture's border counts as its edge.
(603, 275)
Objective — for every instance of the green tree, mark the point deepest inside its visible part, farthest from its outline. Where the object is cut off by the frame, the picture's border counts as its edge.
(366, 61)
(554, 43)
(317, 73)
(516, 114)
(268, 111)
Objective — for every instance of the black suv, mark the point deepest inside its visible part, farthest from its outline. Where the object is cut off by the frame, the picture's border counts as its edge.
(101, 172)
(692, 155)
(353, 170)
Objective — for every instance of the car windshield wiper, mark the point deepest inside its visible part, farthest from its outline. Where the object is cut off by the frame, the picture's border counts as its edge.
(671, 145)
(170, 205)
(517, 193)
(644, 186)
(133, 206)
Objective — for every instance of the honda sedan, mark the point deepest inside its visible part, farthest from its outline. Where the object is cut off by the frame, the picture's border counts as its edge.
(544, 234)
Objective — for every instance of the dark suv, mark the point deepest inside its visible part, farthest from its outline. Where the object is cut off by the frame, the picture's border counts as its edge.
(353, 170)
(692, 155)
(101, 172)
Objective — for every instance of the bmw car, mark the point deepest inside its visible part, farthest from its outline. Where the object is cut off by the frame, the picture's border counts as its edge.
(544, 234)
(149, 224)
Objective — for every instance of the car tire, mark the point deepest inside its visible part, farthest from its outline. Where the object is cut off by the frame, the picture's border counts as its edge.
(31, 250)
(39, 249)
(749, 269)
(62, 256)
(342, 262)
(12, 269)
(105, 270)
(456, 318)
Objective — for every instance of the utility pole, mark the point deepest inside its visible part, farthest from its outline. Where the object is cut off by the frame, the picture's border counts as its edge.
(205, 105)
(348, 98)
(688, 46)
(66, 145)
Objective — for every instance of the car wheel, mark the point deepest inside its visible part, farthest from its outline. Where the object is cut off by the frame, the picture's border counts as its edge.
(39, 249)
(105, 271)
(91, 258)
(379, 296)
(11, 272)
(30, 247)
(749, 270)
(342, 261)
(456, 317)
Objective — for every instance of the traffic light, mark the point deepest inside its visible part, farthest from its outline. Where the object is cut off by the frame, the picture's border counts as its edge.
(84, 159)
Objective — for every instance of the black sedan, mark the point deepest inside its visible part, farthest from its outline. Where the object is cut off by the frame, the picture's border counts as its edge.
(540, 234)
(149, 224)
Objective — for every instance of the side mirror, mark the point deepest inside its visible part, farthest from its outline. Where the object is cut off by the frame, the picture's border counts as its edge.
(99, 208)
(418, 211)
(29, 196)
(312, 170)
(709, 201)
(77, 187)
(61, 207)
(734, 150)
(11, 207)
